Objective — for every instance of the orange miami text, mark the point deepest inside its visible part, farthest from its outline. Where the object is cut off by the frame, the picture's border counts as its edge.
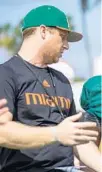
(45, 100)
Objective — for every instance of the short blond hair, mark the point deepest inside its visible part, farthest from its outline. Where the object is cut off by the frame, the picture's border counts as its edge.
(28, 32)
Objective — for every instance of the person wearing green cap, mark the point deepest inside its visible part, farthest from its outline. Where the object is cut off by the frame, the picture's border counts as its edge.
(39, 138)
(91, 101)
(91, 97)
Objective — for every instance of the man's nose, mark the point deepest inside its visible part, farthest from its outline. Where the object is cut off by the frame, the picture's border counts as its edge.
(66, 45)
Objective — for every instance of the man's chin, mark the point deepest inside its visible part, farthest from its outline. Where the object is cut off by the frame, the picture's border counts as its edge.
(56, 60)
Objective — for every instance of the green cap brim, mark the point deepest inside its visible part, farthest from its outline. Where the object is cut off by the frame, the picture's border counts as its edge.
(72, 36)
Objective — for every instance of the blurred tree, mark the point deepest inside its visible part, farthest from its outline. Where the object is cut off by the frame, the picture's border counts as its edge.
(87, 5)
(10, 37)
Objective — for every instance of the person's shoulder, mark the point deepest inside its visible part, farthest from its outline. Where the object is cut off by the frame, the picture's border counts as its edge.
(59, 75)
(12, 60)
(8, 68)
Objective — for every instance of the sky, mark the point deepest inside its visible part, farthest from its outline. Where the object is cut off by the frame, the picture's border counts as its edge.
(13, 11)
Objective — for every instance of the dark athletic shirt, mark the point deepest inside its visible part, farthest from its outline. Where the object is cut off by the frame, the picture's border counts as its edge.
(33, 95)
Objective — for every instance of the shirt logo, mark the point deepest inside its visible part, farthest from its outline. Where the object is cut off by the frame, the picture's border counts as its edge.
(45, 100)
(45, 83)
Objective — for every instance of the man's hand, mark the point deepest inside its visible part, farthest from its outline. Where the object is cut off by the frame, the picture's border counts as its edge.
(5, 114)
(70, 132)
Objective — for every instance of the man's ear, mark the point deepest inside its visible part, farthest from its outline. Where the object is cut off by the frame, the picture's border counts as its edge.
(43, 31)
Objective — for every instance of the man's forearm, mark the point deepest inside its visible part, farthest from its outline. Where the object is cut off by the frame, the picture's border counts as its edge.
(16, 135)
(89, 155)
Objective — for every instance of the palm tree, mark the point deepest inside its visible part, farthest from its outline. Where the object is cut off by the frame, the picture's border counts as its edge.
(84, 8)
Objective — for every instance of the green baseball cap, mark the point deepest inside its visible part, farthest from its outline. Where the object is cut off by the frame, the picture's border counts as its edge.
(52, 17)
(91, 96)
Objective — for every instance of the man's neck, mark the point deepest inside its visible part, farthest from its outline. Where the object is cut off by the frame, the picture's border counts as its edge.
(32, 52)
(34, 59)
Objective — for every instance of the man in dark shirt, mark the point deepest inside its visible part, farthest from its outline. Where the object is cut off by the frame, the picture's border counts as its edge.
(40, 96)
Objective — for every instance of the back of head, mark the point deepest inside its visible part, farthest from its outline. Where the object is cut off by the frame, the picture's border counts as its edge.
(91, 96)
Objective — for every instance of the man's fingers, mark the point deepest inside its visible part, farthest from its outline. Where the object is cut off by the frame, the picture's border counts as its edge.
(81, 142)
(85, 138)
(4, 110)
(86, 132)
(87, 125)
(3, 102)
(75, 117)
(5, 118)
